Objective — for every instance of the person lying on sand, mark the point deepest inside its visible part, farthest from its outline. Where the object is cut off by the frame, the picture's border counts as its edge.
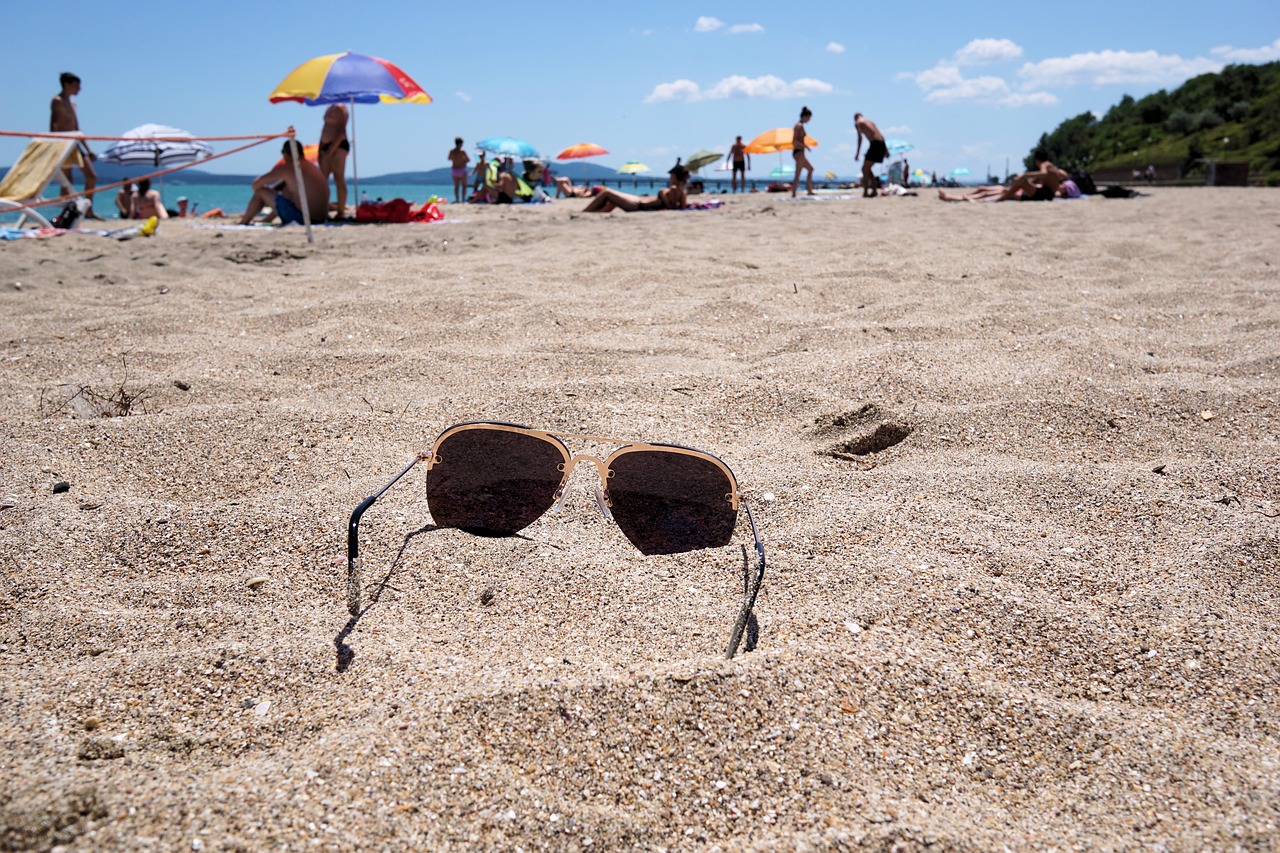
(668, 198)
(565, 188)
(1046, 183)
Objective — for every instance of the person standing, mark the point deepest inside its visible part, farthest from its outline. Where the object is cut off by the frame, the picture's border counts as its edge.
(63, 119)
(459, 159)
(482, 167)
(877, 151)
(798, 149)
(741, 162)
(333, 150)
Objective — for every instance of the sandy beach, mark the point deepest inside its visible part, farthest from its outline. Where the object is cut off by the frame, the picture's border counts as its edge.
(1015, 466)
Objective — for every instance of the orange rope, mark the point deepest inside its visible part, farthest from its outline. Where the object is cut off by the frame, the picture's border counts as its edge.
(81, 136)
(291, 133)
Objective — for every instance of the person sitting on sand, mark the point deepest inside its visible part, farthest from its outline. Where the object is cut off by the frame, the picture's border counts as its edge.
(278, 189)
(565, 187)
(124, 201)
(146, 202)
(1045, 183)
(668, 198)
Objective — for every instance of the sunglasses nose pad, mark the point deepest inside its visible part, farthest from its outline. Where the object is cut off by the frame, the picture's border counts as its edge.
(602, 501)
(561, 496)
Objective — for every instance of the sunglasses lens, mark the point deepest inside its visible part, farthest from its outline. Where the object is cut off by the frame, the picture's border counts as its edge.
(492, 482)
(668, 502)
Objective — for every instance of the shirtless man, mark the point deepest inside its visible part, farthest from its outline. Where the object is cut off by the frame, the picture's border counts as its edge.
(278, 189)
(459, 159)
(146, 202)
(63, 119)
(741, 162)
(334, 148)
(877, 151)
(798, 149)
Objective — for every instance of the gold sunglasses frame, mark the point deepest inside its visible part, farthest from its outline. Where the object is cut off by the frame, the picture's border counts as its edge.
(752, 582)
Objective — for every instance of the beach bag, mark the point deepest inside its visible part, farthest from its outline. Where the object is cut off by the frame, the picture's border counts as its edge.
(72, 212)
(1084, 181)
(395, 210)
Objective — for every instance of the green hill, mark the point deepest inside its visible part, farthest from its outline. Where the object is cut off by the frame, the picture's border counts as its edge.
(1231, 116)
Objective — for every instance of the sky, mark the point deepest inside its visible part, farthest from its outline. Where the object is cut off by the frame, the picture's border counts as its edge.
(968, 85)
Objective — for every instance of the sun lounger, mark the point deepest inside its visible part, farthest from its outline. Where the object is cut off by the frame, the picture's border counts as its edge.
(41, 163)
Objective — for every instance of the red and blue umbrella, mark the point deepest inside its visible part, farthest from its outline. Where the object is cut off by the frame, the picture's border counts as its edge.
(349, 78)
(343, 78)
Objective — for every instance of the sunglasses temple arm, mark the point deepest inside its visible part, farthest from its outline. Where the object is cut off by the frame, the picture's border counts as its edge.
(354, 563)
(753, 589)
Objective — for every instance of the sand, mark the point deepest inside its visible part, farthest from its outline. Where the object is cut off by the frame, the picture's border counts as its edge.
(1016, 466)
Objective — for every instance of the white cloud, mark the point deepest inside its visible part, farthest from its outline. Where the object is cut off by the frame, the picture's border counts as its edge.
(1266, 53)
(707, 24)
(680, 90)
(976, 89)
(1029, 99)
(983, 51)
(1114, 67)
(739, 29)
(462, 96)
(738, 86)
(835, 47)
(898, 130)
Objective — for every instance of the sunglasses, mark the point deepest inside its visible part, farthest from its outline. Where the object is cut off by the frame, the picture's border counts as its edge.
(495, 479)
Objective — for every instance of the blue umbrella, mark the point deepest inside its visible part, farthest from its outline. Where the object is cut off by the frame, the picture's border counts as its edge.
(506, 146)
(958, 171)
(783, 172)
(898, 146)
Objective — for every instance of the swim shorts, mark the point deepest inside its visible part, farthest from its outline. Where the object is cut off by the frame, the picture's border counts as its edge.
(1042, 193)
(877, 151)
(288, 211)
(459, 173)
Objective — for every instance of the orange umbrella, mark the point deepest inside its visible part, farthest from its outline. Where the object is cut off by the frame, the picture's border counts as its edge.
(582, 149)
(579, 151)
(310, 152)
(778, 139)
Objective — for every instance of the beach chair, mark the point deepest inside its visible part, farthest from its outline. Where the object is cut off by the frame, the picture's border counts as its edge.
(41, 163)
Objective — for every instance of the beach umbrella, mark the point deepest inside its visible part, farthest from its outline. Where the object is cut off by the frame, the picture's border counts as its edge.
(898, 146)
(783, 172)
(581, 151)
(959, 171)
(698, 159)
(508, 146)
(349, 78)
(632, 167)
(309, 152)
(830, 176)
(776, 140)
(725, 166)
(155, 145)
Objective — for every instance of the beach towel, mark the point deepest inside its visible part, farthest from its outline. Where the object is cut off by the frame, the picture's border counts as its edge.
(395, 210)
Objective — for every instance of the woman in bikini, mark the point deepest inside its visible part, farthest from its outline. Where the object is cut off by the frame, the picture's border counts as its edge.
(798, 149)
(334, 148)
(668, 198)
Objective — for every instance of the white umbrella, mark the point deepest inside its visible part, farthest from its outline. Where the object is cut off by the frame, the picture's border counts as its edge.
(156, 145)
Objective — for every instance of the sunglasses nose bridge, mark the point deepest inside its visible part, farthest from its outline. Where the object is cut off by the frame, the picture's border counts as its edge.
(602, 471)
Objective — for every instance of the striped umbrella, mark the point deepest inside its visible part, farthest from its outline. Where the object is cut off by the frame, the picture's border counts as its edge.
(632, 167)
(349, 78)
(156, 145)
